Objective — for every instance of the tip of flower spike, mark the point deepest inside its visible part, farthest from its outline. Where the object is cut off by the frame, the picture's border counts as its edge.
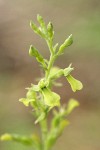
(70, 39)
(31, 50)
(6, 137)
(31, 23)
(38, 16)
(71, 36)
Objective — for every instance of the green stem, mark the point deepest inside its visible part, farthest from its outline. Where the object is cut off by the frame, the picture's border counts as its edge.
(51, 61)
(49, 43)
(44, 131)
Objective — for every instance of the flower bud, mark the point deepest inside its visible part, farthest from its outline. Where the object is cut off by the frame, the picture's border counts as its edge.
(34, 52)
(40, 20)
(50, 29)
(36, 29)
(42, 24)
(67, 43)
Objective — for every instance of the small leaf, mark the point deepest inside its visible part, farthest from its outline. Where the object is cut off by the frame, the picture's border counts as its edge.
(26, 101)
(75, 84)
(71, 105)
(50, 98)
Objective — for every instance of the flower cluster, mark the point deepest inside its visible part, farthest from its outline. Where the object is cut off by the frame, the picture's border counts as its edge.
(41, 97)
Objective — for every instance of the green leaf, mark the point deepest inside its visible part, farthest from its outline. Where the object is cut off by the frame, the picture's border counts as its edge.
(67, 43)
(50, 98)
(26, 101)
(71, 105)
(75, 84)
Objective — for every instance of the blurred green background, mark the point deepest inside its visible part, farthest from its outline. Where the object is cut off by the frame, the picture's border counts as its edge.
(18, 70)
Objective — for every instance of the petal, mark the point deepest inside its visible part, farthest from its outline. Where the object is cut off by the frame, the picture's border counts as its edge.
(75, 84)
(51, 98)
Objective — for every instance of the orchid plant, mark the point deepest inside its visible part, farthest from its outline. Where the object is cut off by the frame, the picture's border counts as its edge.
(41, 98)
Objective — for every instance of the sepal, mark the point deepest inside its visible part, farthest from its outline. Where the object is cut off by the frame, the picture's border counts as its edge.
(68, 70)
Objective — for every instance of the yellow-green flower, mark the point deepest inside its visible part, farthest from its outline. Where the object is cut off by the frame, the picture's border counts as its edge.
(75, 84)
(50, 98)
